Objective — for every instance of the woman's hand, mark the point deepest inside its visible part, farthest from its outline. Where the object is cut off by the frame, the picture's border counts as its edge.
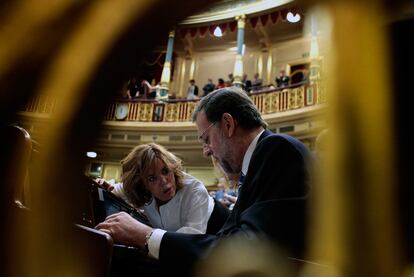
(104, 184)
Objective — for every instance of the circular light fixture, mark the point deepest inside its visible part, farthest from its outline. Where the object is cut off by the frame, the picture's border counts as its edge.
(292, 18)
(91, 154)
(217, 32)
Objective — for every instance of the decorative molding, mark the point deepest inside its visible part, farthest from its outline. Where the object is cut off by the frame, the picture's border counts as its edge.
(231, 11)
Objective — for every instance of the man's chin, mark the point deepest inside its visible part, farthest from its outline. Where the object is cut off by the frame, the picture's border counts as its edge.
(227, 168)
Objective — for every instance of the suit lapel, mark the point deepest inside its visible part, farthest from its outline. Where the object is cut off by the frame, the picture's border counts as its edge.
(242, 196)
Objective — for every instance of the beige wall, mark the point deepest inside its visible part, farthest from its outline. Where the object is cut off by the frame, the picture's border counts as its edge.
(217, 64)
(290, 53)
(214, 65)
(112, 171)
(207, 175)
(204, 174)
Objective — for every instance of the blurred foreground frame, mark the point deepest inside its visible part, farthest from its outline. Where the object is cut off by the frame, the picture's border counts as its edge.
(81, 51)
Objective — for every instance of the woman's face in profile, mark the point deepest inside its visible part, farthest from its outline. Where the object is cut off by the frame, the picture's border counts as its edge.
(160, 182)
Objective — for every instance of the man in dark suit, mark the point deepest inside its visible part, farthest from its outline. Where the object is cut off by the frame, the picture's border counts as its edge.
(282, 80)
(273, 193)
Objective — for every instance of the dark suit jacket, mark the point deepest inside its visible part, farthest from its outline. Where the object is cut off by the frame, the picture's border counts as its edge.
(271, 203)
(282, 81)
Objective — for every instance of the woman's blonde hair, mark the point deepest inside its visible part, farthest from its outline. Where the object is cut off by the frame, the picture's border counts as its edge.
(136, 166)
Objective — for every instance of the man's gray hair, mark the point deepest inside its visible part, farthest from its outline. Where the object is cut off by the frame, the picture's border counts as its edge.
(234, 101)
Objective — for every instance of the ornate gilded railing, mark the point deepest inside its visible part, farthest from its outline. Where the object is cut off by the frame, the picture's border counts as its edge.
(267, 101)
(41, 104)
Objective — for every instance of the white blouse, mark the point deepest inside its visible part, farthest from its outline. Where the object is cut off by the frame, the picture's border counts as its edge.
(187, 212)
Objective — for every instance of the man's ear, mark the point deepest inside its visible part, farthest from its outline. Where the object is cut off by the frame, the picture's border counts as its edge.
(229, 124)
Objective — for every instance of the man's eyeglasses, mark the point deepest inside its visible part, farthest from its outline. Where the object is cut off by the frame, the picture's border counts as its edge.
(203, 139)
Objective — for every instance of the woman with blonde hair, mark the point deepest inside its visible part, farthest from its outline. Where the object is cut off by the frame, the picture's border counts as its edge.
(153, 180)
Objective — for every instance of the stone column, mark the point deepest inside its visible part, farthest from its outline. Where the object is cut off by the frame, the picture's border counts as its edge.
(314, 69)
(166, 71)
(238, 66)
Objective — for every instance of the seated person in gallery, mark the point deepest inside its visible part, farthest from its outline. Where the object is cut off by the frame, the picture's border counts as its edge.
(222, 194)
(150, 92)
(133, 89)
(220, 83)
(257, 82)
(209, 87)
(247, 84)
(230, 81)
(282, 80)
(192, 91)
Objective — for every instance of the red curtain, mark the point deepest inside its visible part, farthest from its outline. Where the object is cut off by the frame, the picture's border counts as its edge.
(275, 17)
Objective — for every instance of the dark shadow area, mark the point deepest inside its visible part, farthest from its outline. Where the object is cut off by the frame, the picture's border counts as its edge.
(402, 58)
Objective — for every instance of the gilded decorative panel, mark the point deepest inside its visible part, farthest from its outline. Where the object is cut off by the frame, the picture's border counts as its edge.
(190, 109)
(296, 98)
(266, 104)
(321, 93)
(271, 103)
(171, 112)
(145, 112)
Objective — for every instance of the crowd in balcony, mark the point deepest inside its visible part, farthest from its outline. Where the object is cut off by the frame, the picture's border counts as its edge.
(141, 90)
(144, 90)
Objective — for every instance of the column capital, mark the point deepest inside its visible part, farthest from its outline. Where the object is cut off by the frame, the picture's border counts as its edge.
(241, 21)
(171, 34)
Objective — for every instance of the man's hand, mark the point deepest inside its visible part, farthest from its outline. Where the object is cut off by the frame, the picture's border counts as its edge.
(225, 202)
(231, 198)
(125, 229)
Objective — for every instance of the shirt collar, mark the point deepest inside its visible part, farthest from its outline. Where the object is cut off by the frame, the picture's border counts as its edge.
(249, 152)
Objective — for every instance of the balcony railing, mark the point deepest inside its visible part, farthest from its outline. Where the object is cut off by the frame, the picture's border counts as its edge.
(268, 100)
